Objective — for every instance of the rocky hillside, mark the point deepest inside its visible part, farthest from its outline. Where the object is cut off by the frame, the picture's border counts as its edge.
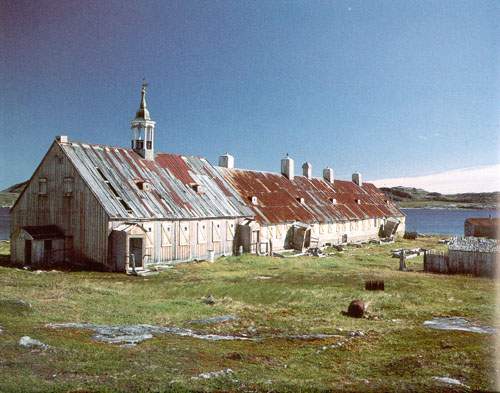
(416, 197)
(9, 195)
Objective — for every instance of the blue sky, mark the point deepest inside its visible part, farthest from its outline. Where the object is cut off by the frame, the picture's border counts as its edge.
(388, 88)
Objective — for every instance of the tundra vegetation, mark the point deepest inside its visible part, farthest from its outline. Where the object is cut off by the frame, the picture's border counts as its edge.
(274, 300)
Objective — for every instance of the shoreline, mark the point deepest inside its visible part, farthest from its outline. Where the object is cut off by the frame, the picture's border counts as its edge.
(497, 209)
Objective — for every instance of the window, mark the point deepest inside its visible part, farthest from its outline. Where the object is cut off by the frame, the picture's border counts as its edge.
(202, 233)
(42, 186)
(166, 234)
(68, 186)
(113, 190)
(143, 185)
(198, 188)
(230, 231)
(184, 235)
(216, 232)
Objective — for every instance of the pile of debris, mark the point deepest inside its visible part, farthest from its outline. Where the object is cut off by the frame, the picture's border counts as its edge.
(410, 235)
(407, 252)
(310, 252)
(383, 240)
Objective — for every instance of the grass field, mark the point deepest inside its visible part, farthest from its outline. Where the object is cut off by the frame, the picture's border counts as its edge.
(271, 297)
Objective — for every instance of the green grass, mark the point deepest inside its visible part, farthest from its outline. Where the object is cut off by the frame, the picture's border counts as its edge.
(303, 295)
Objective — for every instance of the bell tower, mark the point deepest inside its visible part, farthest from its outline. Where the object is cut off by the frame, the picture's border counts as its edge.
(143, 129)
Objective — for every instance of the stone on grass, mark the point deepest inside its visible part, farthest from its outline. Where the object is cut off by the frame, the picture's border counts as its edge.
(209, 299)
(130, 335)
(449, 381)
(356, 333)
(214, 374)
(28, 342)
(14, 306)
(214, 320)
(457, 323)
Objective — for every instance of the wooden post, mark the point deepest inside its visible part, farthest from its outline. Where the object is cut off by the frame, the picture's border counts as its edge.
(402, 263)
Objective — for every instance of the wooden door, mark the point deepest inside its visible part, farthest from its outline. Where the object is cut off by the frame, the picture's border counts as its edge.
(136, 249)
(27, 252)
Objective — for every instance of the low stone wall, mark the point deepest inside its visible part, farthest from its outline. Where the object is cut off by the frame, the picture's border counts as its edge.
(462, 262)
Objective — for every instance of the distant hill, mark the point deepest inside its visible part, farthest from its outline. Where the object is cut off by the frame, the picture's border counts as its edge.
(416, 197)
(10, 194)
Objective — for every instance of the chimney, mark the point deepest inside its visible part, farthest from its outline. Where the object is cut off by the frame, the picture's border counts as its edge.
(356, 178)
(328, 175)
(287, 168)
(62, 138)
(226, 161)
(307, 170)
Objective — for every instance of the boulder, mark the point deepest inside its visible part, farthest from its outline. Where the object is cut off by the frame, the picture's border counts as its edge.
(210, 300)
(29, 342)
(356, 309)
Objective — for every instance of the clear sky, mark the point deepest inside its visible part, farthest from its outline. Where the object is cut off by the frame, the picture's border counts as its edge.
(389, 88)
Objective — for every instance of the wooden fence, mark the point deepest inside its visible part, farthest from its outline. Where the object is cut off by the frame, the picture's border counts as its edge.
(461, 262)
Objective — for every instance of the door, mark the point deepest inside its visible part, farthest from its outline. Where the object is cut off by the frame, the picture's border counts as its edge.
(255, 242)
(47, 250)
(307, 238)
(27, 252)
(135, 249)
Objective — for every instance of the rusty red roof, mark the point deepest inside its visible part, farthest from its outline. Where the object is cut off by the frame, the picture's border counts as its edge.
(279, 199)
(486, 222)
(180, 187)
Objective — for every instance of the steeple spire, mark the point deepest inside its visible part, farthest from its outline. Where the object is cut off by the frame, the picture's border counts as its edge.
(143, 129)
(143, 112)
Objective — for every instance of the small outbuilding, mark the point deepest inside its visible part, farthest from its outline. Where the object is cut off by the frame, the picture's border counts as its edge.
(482, 227)
(39, 245)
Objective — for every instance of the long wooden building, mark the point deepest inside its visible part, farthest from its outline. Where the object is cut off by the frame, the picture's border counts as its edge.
(114, 208)
(303, 211)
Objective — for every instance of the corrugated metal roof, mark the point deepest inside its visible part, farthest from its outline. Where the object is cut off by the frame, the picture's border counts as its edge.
(115, 176)
(279, 198)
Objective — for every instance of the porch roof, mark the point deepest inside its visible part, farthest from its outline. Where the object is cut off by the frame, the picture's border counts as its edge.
(43, 232)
